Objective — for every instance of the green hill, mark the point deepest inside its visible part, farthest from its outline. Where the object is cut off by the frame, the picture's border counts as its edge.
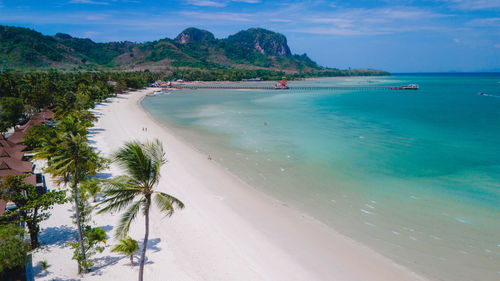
(193, 48)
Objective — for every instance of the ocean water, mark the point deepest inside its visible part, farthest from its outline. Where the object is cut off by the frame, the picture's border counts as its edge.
(414, 175)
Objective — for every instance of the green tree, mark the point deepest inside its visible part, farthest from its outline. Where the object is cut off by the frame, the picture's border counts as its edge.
(128, 247)
(35, 135)
(11, 109)
(136, 190)
(32, 206)
(92, 186)
(70, 160)
(13, 249)
(93, 238)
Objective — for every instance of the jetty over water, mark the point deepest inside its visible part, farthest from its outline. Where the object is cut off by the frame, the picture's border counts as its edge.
(302, 88)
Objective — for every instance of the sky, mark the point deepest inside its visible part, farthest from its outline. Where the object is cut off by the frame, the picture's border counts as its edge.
(393, 35)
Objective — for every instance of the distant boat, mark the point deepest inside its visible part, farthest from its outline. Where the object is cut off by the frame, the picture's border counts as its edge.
(410, 87)
(480, 94)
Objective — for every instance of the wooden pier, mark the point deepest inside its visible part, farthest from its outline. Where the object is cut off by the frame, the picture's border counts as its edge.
(301, 88)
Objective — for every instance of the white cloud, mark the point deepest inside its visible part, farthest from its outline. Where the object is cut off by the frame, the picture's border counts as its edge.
(89, 2)
(475, 4)
(374, 21)
(485, 22)
(247, 1)
(222, 16)
(206, 3)
(213, 3)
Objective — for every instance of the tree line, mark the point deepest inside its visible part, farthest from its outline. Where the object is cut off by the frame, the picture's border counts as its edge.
(75, 165)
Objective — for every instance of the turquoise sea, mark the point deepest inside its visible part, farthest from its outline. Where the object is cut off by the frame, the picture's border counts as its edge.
(414, 175)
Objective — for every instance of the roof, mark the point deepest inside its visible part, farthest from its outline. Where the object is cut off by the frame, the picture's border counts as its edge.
(31, 179)
(10, 152)
(39, 118)
(8, 163)
(11, 146)
(17, 136)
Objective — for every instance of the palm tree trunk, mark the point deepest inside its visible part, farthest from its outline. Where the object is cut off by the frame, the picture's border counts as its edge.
(78, 223)
(33, 229)
(145, 243)
(132, 259)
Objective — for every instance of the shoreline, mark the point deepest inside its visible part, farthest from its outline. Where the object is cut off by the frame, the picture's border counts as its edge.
(229, 230)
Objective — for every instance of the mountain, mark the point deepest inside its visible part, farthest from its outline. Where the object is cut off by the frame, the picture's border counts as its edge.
(193, 48)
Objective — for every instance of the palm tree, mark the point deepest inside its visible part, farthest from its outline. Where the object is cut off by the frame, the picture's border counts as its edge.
(136, 190)
(128, 247)
(74, 159)
(70, 158)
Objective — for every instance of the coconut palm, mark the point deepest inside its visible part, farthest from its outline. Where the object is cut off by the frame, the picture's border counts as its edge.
(73, 161)
(128, 247)
(135, 191)
(70, 160)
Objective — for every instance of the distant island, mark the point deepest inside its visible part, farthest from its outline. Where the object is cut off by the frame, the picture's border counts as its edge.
(194, 54)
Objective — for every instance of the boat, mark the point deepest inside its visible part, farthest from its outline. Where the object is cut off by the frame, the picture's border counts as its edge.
(410, 87)
(480, 94)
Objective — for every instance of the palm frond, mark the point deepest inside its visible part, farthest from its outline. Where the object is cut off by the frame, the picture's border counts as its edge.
(119, 192)
(119, 201)
(167, 203)
(127, 218)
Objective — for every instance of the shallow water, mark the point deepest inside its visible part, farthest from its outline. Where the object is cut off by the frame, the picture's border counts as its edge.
(412, 174)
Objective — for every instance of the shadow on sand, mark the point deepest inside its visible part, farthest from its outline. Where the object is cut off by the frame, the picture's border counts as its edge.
(57, 235)
(39, 273)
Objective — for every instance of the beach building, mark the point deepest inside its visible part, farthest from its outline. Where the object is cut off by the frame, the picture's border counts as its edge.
(12, 154)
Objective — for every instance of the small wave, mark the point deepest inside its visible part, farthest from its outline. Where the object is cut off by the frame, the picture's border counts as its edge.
(374, 202)
(414, 197)
(369, 223)
(365, 211)
(463, 252)
(488, 95)
(369, 206)
(412, 238)
(434, 237)
(395, 232)
(461, 220)
(333, 200)
(282, 169)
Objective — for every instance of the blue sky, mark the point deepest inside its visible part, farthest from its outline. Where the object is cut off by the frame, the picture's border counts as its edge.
(398, 36)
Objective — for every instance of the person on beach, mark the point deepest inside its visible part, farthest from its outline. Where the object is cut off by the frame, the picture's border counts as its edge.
(209, 158)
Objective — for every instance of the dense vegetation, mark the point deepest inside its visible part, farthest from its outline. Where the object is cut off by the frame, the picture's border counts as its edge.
(65, 91)
(193, 50)
(13, 250)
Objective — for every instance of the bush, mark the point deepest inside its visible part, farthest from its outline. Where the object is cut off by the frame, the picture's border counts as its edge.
(44, 265)
(13, 249)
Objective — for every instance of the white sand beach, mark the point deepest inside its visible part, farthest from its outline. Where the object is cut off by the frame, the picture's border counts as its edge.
(228, 230)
